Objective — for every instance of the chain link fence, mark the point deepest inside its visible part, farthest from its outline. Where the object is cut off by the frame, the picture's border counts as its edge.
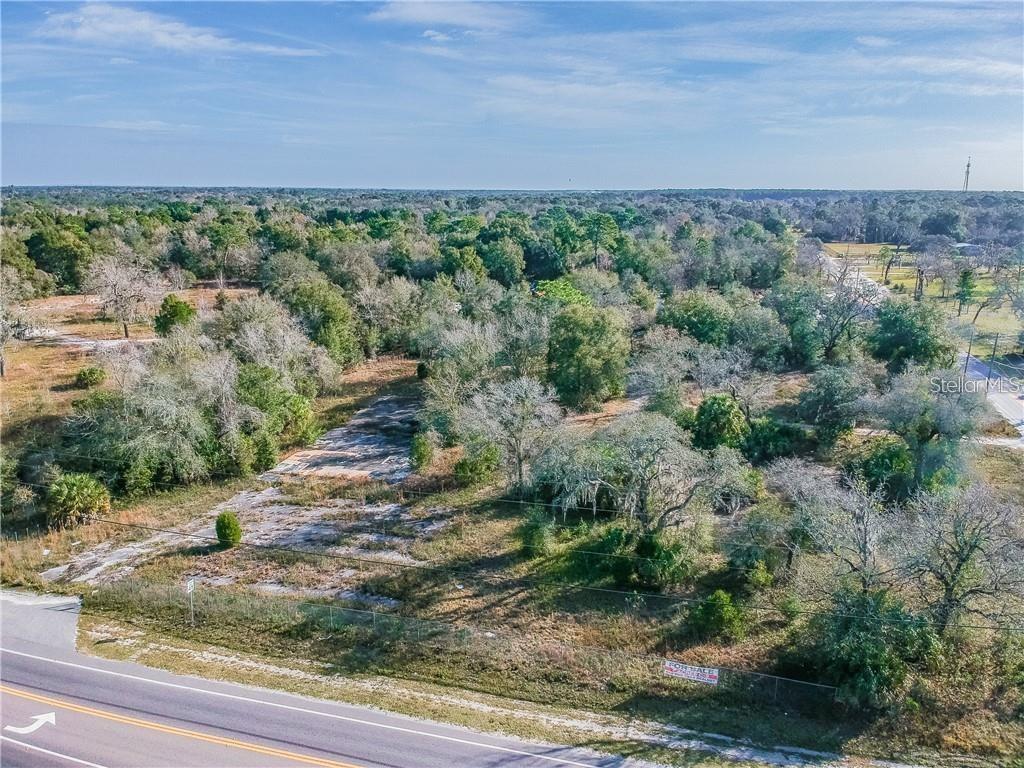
(389, 642)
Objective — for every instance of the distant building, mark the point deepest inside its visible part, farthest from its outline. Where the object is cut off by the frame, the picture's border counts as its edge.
(968, 249)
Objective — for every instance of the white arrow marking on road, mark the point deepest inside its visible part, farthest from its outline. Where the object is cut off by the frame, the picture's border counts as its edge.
(40, 721)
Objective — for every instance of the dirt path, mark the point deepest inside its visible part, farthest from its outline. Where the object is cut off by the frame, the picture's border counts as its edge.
(372, 445)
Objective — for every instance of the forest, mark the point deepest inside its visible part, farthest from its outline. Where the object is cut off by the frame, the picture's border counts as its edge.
(672, 393)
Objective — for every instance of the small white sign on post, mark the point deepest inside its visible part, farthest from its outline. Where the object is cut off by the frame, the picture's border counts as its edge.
(707, 675)
(190, 588)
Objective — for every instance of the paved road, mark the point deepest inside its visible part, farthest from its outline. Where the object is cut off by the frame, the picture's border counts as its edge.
(1005, 395)
(115, 714)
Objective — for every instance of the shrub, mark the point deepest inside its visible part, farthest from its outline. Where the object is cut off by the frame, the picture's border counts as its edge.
(229, 531)
(173, 311)
(771, 439)
(537, 533)
(717, 616)
(762, 540)
(669, 403)
(867, 643)
(790, 607)
(562, 292)
(908, 332)
(759, 577)
(662, 561)
(719, 421)
(74, 497)
(885, 464)
(633, 559)
(830, 402)
(421, 451)
(89, 377)
(478, 465)
(265, 448)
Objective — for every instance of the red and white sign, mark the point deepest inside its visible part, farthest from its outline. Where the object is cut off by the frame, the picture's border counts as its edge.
(708, 675)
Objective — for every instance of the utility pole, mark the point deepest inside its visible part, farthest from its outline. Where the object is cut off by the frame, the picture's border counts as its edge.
(967, 173)
(991, 360)
(970, 344)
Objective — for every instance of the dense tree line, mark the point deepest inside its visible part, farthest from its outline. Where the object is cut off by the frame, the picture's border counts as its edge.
(526, 310)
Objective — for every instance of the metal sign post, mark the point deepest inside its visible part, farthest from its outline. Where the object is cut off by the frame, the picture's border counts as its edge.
(190, 590)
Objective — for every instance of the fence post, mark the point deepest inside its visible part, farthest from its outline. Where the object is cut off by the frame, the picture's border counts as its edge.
(775, 696)
(330, 613)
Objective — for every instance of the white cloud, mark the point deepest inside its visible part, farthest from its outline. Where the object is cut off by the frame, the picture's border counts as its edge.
(481, 17)
(148, 126)
(874, 41)
(119, 27)
(437, 37)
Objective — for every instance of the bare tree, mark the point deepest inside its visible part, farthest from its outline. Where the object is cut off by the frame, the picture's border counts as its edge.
(842, 519)
(524, 339)
(966, 550)
(640, 464)
(125, 286)
(259, 330)
(811, 257)
(844, 304)
(516, 416)
(12, 326)
(663, 362)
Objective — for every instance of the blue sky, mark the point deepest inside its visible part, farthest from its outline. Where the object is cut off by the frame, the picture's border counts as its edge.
(514, 95)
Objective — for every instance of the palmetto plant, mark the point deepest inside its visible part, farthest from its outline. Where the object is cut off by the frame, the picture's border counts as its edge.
(74, 497)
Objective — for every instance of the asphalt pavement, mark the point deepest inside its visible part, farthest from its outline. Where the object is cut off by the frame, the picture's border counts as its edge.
(61, 708)
(1006, 395)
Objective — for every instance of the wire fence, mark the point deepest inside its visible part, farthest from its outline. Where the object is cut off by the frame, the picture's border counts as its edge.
(379, 641)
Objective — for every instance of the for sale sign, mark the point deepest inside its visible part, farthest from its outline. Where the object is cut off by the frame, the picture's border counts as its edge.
(708, 675)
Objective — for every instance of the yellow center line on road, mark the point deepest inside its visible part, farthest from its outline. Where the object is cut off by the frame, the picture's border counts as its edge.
(170, 729)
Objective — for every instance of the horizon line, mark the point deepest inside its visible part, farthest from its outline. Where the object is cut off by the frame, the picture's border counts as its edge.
(576, 190)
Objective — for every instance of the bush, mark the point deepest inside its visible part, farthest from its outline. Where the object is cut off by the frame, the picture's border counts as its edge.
(89, 377)
(478, 465)
(717, 616)
(173, 312)
(421, 451)
(719, 421)
(907, 332)
(662, 561)
(763, 540)
(759, 577)
(632, 559)
(74, 497)
(669, 403)
(537, 533)
(229, 531)
(771, 439)
(562, 292)
(867, 643)
(885, 464)
(830, 402)
(265, 449)
(790, 607)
